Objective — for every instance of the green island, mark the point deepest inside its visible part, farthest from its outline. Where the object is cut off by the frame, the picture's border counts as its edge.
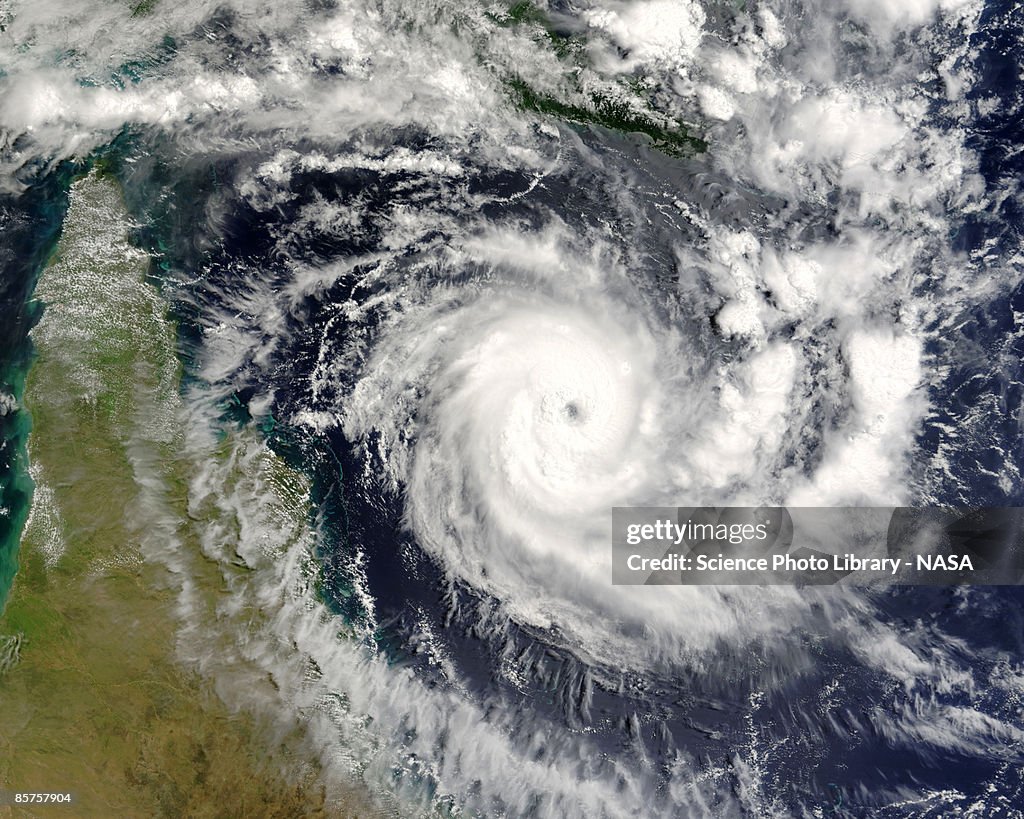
(620, 107)
(93, 699)
(605, 112)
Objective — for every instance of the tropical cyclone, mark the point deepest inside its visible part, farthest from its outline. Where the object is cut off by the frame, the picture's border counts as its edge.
(447, 256)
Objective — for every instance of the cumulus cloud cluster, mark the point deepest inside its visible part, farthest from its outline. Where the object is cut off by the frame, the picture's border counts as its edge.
(506, 356)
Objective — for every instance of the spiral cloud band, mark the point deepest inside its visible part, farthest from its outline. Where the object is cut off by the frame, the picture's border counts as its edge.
(454, 280)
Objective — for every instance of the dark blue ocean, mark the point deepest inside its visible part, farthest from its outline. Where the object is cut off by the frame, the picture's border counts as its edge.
(209, 241)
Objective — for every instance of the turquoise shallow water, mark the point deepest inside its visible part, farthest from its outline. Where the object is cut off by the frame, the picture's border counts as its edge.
(15, 483)
(30, 223)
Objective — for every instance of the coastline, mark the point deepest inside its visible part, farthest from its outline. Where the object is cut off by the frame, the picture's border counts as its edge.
(31, 222)
(97, 700)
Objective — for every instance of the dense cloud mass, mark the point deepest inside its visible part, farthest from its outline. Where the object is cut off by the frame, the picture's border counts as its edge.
(504, 269)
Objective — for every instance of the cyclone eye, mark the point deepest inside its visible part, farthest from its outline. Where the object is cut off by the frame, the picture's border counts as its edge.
(572, 412)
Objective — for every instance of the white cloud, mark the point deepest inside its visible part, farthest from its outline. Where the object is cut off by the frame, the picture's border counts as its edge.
(654, 32)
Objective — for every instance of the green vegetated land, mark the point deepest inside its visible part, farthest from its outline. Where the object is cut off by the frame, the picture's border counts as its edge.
(608, 113)
(624, 111)
(92, 700)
